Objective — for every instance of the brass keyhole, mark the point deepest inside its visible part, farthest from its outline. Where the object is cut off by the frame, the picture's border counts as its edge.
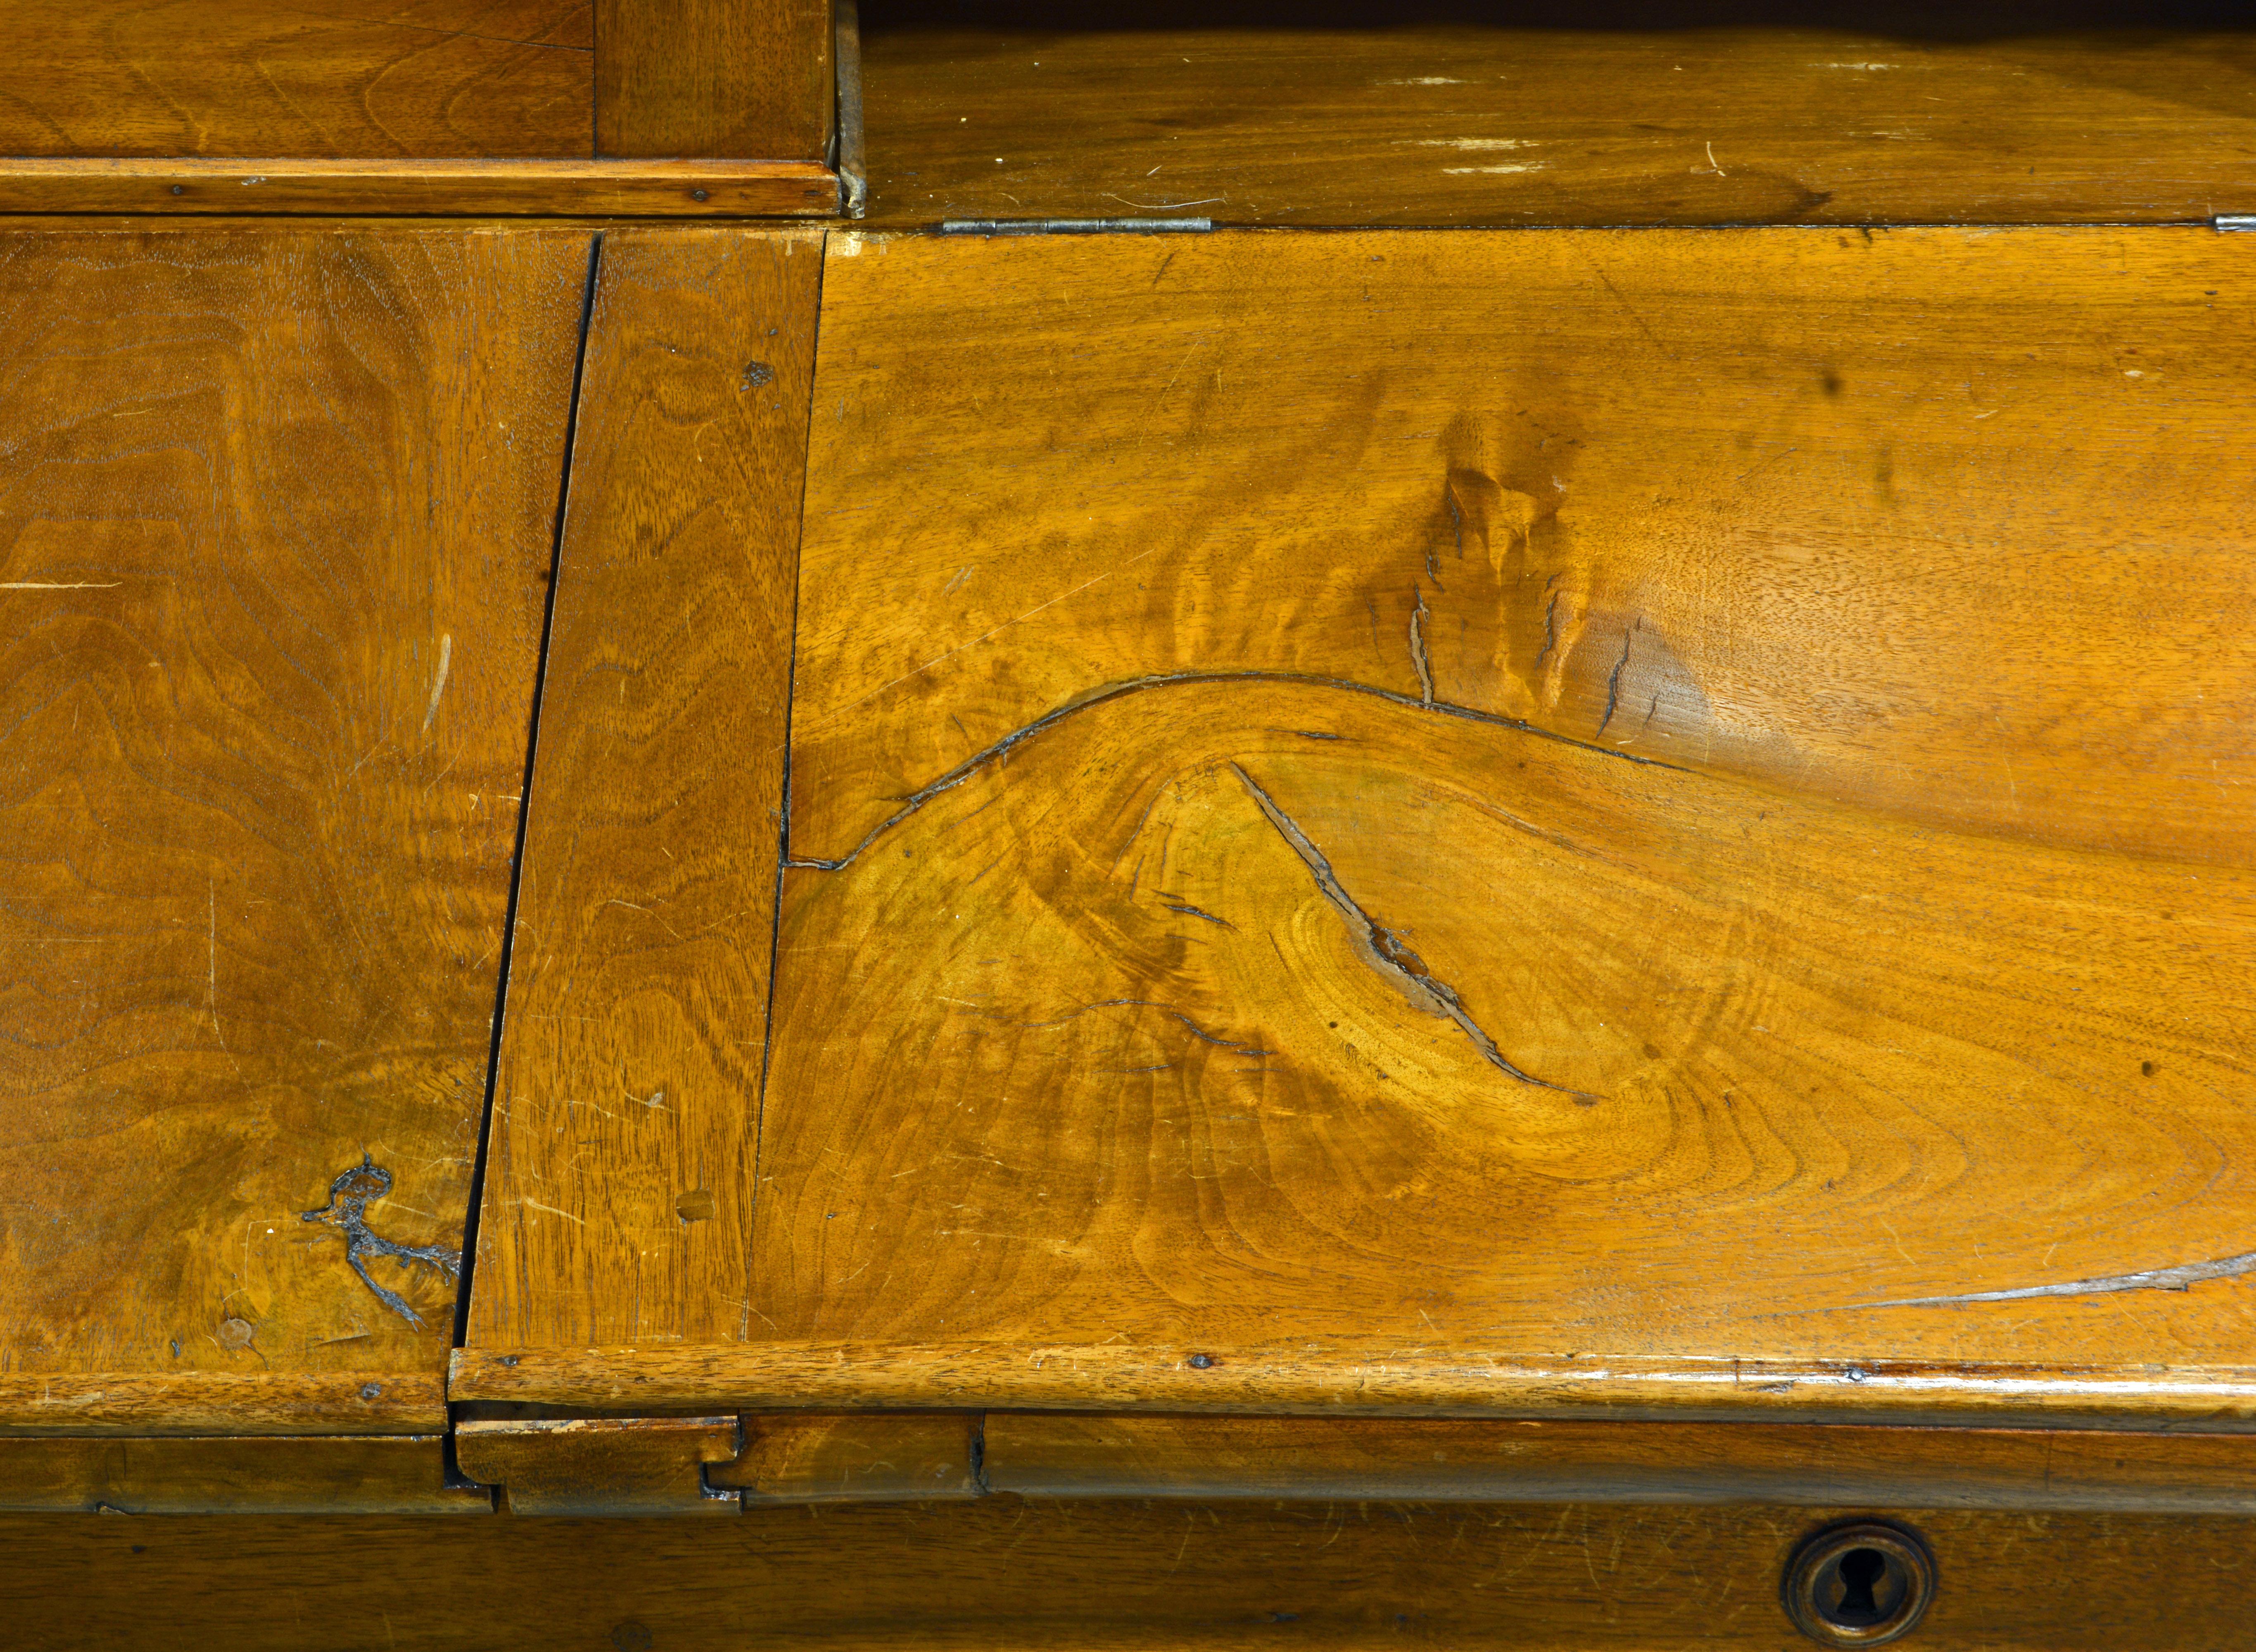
(1861, 1585)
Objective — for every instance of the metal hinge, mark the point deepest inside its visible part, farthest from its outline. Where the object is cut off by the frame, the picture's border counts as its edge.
(2242, 222)
(1075, 226)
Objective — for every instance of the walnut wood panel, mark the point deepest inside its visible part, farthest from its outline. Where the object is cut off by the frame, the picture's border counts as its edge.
(1354, 1458)
(1467, 126)
(303, 78)
(1009, 1572)
(275, 525)
(1616, 794)
(333, 1475)
(502, 189)
(909, 1456)
(617, 1198)
(748, 78)
(1950, 525)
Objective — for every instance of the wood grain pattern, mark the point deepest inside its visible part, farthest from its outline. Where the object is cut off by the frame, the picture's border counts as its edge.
(899, 1458)
(617, 1198)
(139, 1403)
(275, 520)
(651, 189)
(1006, 1570)
(1349, 1459)
(1632, 795)
(748, 78)
(1464, 125)
(1358, 1377)
(331, 1474)
(297, 78)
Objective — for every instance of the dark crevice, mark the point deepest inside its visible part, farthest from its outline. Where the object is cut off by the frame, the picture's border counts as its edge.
(1383, 949)
(783, 822)
(978, 760)
(1613, 682)
(525, 803)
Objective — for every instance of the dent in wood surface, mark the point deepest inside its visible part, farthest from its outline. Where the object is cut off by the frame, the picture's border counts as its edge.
(1897, 961)
(619, 1187)
(275, 520)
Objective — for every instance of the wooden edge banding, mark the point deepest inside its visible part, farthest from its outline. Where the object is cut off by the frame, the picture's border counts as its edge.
(1350, 1459)
(626, 188)
(1345, 1380)
(254, 1474)
(207, 1402)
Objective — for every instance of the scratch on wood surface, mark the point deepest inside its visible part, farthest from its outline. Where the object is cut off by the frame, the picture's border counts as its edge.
(2184, 1276)
(439, 683)
(62, 585)
(1383, 949)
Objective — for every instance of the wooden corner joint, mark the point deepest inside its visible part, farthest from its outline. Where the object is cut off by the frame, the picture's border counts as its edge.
(601, 1466)
(719, 1465)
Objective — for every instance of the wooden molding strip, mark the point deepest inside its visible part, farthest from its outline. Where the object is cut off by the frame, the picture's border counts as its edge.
(220, 1403)
(1355, 1459)
(1350, 1380)
(629, 188)
(322, 1474)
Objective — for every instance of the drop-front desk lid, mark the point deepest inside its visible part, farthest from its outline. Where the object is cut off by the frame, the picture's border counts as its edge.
(1582, 824)
(1207, 848)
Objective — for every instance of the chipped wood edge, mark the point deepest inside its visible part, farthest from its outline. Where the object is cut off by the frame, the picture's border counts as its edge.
(213, 1402)
(626, 188)
(1353, 1380)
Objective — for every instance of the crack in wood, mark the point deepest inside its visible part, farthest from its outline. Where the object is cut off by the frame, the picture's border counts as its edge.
(1383, 949)
(347, 1211)
(978, 760)
(2184, 1276)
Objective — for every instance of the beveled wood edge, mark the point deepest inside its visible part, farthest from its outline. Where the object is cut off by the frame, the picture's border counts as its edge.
(1345, 1379)
(212, 1402)
(626, 188)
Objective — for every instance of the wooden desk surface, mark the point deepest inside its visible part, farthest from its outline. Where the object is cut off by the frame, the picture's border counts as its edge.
(1477, 823)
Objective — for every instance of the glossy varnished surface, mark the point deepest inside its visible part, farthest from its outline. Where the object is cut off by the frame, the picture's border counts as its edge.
(275, 527)
(438, 78)
(2013, 123)
(619, 1193)
(1603, 795)
(1009, 1573)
